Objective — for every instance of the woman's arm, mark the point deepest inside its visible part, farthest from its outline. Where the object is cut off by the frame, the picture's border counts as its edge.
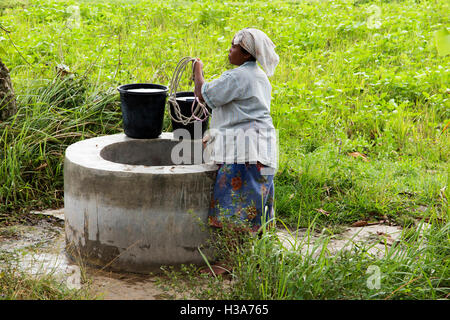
(198, 79)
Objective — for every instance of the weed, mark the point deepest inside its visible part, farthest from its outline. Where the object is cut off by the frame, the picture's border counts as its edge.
(415, 267)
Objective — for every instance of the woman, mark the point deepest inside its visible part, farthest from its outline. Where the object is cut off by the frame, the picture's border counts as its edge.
(242, 138)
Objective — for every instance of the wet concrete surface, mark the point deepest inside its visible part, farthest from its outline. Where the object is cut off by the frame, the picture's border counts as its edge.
(40, 249)
(377, 239)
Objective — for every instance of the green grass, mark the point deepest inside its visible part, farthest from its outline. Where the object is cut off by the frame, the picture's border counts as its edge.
(54, 114)
(340, 87)
(415, 267)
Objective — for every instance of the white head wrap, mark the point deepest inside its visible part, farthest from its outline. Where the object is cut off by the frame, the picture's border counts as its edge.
(259, 45)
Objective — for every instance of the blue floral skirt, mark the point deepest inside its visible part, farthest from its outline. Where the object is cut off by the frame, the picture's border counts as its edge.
(242, 194)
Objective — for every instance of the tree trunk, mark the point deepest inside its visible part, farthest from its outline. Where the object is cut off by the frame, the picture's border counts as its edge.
(8, 106)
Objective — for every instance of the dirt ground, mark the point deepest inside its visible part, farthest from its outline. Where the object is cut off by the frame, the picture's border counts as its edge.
(40, 248)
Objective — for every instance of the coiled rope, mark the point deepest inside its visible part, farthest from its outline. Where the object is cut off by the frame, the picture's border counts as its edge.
(199, 110)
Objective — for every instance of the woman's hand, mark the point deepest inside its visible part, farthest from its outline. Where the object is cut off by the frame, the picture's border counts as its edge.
(205, 140)
(197, 65)
(198, 78)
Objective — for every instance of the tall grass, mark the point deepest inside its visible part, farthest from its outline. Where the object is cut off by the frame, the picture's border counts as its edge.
(408, 270)
(415, 267)
(53, 114)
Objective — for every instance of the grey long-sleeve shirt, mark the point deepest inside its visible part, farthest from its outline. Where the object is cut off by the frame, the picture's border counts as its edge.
(241, 127)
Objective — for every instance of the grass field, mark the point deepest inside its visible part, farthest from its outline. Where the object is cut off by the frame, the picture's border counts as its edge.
(360, 100)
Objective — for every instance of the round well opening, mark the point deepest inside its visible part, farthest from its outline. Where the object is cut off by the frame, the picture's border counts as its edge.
(153, 152)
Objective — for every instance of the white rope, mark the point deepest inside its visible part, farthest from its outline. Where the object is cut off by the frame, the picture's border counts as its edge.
(200, 112)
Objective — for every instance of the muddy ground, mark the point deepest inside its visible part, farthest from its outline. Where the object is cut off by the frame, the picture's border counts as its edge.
(39, 248)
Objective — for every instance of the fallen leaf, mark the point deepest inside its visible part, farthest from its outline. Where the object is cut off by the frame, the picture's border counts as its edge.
(381, 233)
(407, 193)
(388, 239)
(322, 211)
(442, 193)
(360, 155)
(360, 223)
(42, 166)
(427, 219)
(327, 190)
(446, 126)
(217, 269)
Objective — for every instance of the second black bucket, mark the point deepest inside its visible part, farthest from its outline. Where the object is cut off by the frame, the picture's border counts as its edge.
(142, 106)
(185, 100)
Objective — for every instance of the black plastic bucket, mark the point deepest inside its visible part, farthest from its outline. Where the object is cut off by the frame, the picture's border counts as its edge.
(184, 100)
(142, 107)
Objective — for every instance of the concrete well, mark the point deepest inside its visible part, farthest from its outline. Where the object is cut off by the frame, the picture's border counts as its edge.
(128, 207)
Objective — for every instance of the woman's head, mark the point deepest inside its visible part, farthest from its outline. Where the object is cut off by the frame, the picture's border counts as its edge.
(256, 44)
